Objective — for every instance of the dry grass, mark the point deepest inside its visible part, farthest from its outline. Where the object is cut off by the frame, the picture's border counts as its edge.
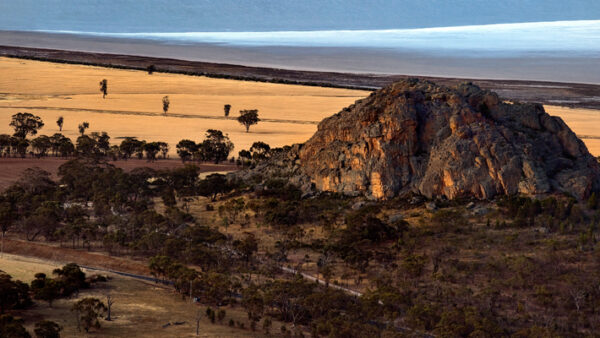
(55, 253)
(584, 122)
(140, 308)
(133, 106)
(49, 87)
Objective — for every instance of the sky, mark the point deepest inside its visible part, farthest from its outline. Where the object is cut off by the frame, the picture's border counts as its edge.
(127, 16)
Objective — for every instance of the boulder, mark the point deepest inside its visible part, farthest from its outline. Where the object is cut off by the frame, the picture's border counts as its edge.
(418, 137)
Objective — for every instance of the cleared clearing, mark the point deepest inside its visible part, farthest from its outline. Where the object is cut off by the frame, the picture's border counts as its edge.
(140, 308)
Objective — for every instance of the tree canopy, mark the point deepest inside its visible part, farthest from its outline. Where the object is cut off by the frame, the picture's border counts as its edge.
(165, 103)
(104, 88)
(59, 122)
(217, 145)
(25, 124)
(248, 117)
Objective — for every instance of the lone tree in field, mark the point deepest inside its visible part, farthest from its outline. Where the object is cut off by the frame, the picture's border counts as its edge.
(227, 109)
(109, 302)
(60, 122)
(83, 127)
(87, 311)
(248, 117)
(166, 104)
(104, 88)
(150, 69)
(25, 124)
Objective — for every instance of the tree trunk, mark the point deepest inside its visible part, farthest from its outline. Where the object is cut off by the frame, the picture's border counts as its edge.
(109, 305)
(198, 317)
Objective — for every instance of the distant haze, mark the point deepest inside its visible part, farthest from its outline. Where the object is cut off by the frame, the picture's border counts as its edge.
(550, 40)
(130, 16)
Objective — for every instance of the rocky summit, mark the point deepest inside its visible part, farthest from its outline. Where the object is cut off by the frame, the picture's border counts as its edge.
(416, 136)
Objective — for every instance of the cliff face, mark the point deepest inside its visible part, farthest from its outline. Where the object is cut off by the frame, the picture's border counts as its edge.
(416, 136)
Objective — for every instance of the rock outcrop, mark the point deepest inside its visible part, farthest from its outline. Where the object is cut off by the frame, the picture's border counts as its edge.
(416, 136)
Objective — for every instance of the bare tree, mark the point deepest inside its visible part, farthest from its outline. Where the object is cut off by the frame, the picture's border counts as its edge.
(578, 296)
(109, 302)
(198, 317)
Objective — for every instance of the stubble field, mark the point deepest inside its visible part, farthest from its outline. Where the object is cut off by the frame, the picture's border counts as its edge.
(133, 106)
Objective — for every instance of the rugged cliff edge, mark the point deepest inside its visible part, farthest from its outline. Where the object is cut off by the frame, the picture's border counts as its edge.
(416, 136)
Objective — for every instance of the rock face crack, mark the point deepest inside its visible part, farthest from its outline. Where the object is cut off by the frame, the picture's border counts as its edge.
(416, 136)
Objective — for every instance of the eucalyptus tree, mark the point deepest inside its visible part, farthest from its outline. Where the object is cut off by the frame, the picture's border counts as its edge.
(60, 122)
(104, 88)
(248, 117)
(166, 103)
(82, 127)
(25, 124)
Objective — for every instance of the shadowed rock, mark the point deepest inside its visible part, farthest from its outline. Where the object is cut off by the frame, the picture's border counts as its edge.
(416, 136)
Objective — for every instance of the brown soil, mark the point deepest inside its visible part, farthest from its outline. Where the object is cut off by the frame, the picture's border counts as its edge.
(11, 168)
(67, 255)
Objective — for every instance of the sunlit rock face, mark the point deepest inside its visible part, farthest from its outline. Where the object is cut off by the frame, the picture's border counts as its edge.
(416, 136)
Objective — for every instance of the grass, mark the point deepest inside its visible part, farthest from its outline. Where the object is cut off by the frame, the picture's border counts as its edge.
(140, 308)
(51, 90)
(133, 106)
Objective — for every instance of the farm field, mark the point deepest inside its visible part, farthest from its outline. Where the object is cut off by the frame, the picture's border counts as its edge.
(133, 106)
(584, 122)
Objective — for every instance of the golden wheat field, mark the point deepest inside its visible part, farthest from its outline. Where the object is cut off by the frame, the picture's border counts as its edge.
(133, 106)
(584, 122)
